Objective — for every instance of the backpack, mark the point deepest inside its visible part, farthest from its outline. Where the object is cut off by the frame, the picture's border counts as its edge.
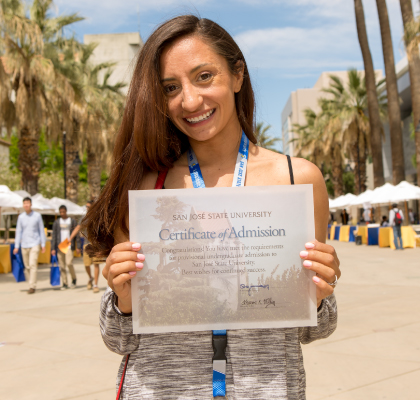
(398, 218)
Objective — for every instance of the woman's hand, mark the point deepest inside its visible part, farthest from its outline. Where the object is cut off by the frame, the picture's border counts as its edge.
(322, 259)
(121, 266)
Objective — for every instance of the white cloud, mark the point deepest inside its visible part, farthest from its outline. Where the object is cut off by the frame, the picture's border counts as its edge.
(299, 49)
(112, 13)
(324, 37)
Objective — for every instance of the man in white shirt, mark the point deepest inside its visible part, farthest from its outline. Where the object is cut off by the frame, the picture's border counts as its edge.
(65, 228)
(396, 218)
(30, 235)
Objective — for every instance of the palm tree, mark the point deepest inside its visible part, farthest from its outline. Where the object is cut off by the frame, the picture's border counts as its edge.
(103, 103)
(398, 171)
(34, 79)
(317, 142)
(54, 41)
(309, 138)
(414, 70)
(376, 129)
(263, 139)
(347, 109)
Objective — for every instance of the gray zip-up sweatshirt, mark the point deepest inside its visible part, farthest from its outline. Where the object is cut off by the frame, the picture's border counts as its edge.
(262, 364)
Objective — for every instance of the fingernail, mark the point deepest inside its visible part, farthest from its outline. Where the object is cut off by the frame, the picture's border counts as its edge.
(139, 265)
(304, 254)
(135, 246)
(141, 257)
(307, 263)
(316, 279)
(132, 273)
(309, 245)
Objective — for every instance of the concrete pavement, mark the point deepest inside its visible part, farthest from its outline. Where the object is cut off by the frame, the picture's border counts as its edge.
(53, 350)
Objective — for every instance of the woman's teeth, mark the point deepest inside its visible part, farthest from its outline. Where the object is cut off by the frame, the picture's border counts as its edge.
(200, 118)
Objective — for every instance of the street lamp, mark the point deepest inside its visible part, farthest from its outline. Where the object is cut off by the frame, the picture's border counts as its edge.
(76, 161)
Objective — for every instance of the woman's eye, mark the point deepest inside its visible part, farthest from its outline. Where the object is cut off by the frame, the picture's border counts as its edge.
(205, 76)
(170, 88)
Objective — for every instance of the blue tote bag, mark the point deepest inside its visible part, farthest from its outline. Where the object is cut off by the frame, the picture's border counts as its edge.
(17, 265)
(54, 272)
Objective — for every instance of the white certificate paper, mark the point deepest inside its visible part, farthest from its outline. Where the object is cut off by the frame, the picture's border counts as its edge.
(222, 258)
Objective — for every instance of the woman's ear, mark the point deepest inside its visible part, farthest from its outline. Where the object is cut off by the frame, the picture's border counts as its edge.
(239, 76)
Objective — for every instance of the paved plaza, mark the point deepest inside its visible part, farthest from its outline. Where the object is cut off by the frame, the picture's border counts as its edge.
(52, 349)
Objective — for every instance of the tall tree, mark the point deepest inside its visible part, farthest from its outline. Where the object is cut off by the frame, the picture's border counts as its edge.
(394, 113)
(319, 142)
(34, 79)
(347, 109)
(376, 129)
(103, 103)
(263, 138)
(414, 70)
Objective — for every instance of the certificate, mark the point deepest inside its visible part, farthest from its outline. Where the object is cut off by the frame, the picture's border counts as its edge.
(222, 258)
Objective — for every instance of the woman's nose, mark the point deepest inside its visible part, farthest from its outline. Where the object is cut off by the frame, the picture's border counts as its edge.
(191, 98)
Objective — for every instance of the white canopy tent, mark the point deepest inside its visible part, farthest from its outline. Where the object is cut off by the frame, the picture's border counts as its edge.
(404, 192)
(11, 203)
(342, 201)
(363, 198)
(383, 194)
(72, 208)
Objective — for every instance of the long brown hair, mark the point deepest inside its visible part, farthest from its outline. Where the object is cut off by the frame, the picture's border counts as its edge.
(147, 139)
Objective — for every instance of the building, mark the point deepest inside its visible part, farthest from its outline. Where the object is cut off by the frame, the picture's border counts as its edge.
(120, 48)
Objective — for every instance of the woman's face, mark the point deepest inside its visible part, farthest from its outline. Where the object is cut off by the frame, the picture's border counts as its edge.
(200, 89)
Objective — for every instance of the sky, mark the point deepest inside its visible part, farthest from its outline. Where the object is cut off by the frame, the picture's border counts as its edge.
(286, 43)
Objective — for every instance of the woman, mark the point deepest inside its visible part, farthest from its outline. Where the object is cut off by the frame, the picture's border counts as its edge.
(191, 88)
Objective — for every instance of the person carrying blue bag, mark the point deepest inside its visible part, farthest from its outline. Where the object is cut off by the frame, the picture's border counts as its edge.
(54, 272)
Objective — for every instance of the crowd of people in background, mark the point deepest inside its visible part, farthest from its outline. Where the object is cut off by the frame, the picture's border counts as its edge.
(395, 220)
(66, 240)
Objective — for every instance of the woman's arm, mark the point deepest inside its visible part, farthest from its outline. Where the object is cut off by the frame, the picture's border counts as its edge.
(327, 322)
(116, 327)
(320, 257)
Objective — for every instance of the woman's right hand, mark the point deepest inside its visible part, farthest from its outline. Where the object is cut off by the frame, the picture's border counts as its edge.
(121, 266)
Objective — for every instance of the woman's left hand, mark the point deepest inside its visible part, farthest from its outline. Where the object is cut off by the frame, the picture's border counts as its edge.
(322, 259)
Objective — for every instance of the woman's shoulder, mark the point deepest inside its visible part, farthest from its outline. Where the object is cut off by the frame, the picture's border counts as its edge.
(273, 168)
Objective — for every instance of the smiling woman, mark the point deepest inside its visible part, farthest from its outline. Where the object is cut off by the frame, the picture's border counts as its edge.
(191, 103)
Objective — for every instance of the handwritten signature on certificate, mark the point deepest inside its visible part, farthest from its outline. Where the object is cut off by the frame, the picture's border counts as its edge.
(250, 287)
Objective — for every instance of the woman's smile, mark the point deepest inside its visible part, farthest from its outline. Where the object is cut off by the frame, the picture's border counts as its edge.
(201, 118)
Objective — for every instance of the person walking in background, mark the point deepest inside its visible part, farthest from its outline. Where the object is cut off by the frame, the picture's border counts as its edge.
(88, 261)
(65, 228)
(367, 215)
(411, 216)
(30, 235)
(344, 217)
(396, 218)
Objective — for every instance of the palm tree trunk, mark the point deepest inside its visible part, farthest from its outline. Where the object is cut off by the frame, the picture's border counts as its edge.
(29, 164)
(72, 176)
(94, 173)
(337, 171)
(414, 70)
(373, 105)
(358, 151)
(398, 171)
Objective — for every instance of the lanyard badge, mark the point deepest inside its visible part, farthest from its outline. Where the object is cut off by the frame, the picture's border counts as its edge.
(219, 338)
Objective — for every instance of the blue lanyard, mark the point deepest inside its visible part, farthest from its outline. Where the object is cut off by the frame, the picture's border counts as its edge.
(219, 336)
